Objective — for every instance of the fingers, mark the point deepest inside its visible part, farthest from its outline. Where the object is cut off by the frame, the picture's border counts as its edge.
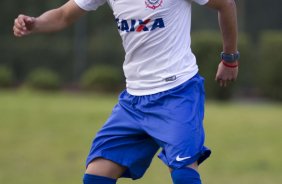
(22, 25)
(19, 26)
(224, 83)
(224, 80)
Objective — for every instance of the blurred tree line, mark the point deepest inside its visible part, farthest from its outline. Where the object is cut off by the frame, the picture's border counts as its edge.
(94, 41)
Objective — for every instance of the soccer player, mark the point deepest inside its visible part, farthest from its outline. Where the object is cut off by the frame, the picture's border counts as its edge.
(163, 104)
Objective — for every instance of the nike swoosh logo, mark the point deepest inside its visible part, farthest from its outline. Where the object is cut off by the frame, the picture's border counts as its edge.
(179, 159)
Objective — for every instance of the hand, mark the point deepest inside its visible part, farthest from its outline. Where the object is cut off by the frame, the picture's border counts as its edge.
(226, 74)
(23, 25)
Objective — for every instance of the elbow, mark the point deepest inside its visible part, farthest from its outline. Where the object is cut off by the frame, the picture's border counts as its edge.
(228, 4)
(63, 19)
(231, 3)
(222, 5)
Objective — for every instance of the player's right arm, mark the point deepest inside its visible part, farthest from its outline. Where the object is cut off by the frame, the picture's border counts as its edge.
(50, 21)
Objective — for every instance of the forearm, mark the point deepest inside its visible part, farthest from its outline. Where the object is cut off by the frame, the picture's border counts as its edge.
(50, 21)
(227, 18)
(57, 19)
(228, 24)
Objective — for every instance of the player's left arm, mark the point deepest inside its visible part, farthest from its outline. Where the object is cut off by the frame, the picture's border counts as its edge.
(227, 17)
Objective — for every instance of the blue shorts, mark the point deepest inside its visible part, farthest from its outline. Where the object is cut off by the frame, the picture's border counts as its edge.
(140, 125)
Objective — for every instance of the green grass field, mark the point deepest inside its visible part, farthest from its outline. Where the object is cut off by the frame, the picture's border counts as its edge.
(44, 138)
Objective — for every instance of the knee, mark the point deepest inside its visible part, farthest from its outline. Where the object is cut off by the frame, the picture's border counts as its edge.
(194, 166)
(106, 168)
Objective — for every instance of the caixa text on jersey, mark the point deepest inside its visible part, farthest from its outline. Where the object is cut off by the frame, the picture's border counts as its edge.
(134, 25)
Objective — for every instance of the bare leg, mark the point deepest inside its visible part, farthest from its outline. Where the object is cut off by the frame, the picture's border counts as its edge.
(193, 166)
(106, 168)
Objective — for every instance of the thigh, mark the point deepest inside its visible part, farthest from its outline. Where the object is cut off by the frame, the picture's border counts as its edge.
(122, 141)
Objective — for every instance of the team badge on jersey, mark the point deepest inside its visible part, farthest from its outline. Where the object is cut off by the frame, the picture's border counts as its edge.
(153, 4)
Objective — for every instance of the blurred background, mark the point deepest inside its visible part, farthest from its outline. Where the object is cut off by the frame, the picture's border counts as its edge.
(56, 90)
(69, 57)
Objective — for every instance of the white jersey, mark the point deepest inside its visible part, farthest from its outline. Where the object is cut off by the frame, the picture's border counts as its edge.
(156, 40)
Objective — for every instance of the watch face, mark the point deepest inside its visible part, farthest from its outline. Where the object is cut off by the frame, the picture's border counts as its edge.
(230, 57)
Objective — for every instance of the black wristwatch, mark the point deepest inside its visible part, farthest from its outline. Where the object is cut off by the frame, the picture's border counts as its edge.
(230, 58)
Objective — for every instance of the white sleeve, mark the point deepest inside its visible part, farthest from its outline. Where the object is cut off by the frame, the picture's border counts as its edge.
(201, 2)
(89, 5)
